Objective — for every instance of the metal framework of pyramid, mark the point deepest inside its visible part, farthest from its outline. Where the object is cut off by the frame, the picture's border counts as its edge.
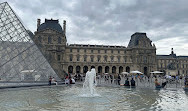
(20, 59)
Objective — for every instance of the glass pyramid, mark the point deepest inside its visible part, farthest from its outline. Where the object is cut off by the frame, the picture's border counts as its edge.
(20, 59)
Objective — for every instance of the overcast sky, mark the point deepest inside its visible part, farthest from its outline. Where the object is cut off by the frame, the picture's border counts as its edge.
(112, 22)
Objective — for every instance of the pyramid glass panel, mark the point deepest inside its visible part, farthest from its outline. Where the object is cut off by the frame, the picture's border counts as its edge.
(20, 59)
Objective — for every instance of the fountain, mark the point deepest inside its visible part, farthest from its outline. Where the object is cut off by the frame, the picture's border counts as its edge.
(89, 84)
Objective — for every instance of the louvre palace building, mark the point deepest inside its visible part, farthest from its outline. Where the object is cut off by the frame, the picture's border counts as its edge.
(140, 54)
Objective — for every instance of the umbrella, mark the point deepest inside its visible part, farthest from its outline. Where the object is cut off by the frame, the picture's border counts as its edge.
(125, 73)
(156, 72)
(136, 72)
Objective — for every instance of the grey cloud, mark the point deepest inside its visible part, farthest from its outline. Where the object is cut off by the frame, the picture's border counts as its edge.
(110, 21)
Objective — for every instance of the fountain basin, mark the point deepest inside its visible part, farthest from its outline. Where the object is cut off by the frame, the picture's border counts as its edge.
(68, 97)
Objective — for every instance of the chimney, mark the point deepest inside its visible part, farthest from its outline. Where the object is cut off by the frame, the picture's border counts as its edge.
(38, 23)
(172, 52)
(64, 26)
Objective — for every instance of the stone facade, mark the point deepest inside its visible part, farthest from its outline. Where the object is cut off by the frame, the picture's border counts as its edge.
(172, 64)
(140, 54)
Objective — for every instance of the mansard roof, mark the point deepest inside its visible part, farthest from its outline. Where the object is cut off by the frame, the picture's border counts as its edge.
(50, 24)
(135, 39)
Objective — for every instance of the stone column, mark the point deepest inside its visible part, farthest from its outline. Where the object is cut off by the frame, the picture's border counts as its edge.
(74, 69)
(110, 69)
(81, 69)
(117, 69)
(103, 69)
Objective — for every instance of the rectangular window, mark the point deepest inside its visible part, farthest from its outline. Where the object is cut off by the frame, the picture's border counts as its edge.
(112, 58)
(70, 50)
(98, 51)
(78, 50)
(85, 50)
(78, 58)
(85, 58)
(59, 48)
(112, 51)
(99, 58)
(58, 57)
(105, 58)
(92, 59)
(105, 51)
(118, 59)
(91, 51)
(70, 57)
(145, 59)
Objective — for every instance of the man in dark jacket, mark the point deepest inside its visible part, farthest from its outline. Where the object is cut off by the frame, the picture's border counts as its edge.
(127, 82)
(132, 82)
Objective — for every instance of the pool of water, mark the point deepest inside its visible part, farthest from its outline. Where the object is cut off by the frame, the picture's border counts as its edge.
(112, 98)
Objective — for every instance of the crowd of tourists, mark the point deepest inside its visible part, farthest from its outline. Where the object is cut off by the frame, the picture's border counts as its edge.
(128, 81)
(142, 80)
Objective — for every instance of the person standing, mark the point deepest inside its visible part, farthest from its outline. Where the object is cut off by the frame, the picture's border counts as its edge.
(54, 81)
(50, 81)
(157, 84)
(133, 82)
(111, 78)
(119, 79)
(67, 80)
(127, 82)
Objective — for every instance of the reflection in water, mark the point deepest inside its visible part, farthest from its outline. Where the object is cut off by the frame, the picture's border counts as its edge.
(63, 98)
(172, 99)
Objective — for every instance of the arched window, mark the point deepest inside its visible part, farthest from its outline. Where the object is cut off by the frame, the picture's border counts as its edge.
(100, 69)
(59, 40)
(85, 69)
(114, 69)
(70, 69)
(128, 69)
(77, 69)
(106, 69)
(120, 69)
(49, 40)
